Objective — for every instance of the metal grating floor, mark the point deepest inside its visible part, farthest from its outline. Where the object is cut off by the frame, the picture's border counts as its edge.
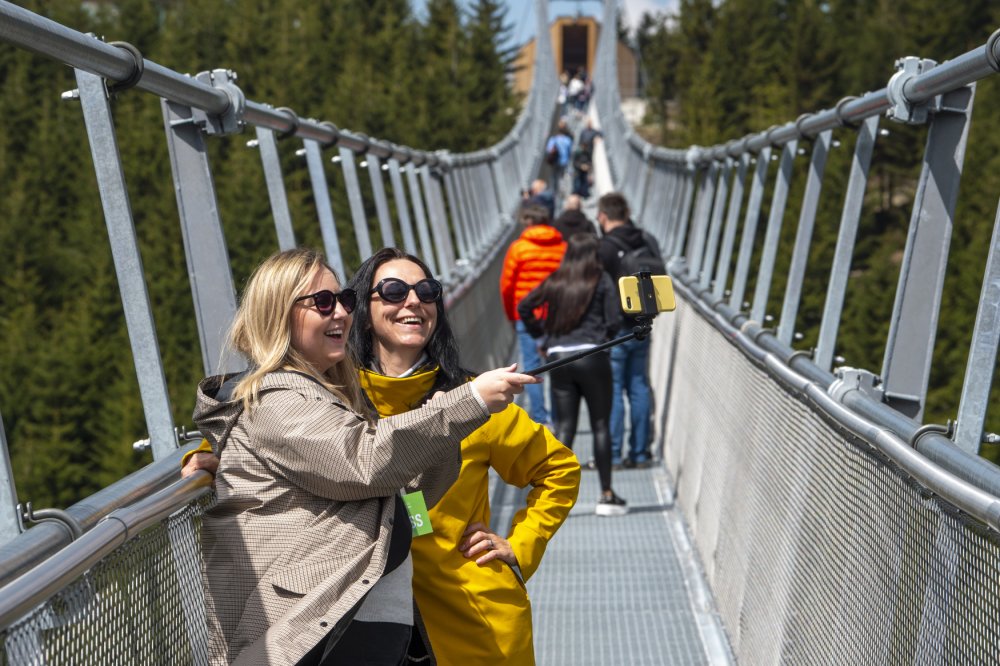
(619, 590)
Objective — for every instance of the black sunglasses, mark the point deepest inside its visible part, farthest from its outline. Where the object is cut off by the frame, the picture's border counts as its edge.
(394, 290)
(326, 301)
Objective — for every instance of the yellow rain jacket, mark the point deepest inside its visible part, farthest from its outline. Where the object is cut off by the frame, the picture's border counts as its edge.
(482, 615)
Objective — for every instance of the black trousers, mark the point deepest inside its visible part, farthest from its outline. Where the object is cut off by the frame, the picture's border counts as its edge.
(590, 379)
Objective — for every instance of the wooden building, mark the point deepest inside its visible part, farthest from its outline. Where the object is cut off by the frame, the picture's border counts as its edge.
(574, 40)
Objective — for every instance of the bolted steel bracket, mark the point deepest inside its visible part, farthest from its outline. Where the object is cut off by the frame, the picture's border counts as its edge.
(902, 109)
(855, 379)
(229, 121)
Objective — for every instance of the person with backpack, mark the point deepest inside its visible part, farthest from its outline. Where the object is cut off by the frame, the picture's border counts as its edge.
(625, 249)
(558, 151)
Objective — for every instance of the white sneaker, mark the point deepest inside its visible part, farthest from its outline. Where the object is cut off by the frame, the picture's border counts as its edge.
(611, 506)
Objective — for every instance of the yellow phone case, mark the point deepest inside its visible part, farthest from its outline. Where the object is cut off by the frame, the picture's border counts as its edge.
(628, 289)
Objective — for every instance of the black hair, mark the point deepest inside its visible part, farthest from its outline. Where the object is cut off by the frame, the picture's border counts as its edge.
(614, 206)
(442, 348)
(569, 290)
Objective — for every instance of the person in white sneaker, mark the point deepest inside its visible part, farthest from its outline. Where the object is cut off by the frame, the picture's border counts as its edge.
(582, 311)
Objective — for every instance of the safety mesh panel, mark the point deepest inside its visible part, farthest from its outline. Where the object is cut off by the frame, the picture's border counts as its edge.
(142, 604)
(818, 549)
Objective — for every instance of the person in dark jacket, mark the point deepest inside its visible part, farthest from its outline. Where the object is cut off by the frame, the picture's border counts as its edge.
(582, 311)
(573, 221)
(629, 361)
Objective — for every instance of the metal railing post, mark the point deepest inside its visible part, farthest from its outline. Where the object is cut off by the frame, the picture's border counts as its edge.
(381, 203)
(707, 265)
(419, 212)
(913, 327)
(402, 209)
(749, 235)
(803, 237)
(732, 224)
(324, 211)
(765, 272)
(355, 202)
(268, 146)
(972, 408)
(853, 201)
(128, 263)
(204, 243)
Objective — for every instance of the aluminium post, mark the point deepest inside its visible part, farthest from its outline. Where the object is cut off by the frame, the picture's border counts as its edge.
(725, 259)
(803, 238)
(420, 217)
(10, 526)
(438, 223)
(851, 214)
(128, 263)
(979, 370)
(703, 214)
(402, 209)
(381, 203)
(204, 243)
(776, 216)
(324, 211)
(268, 146)
(452, 190)
(355, 202)
(707, 267)
(682, 220)
(913, 327)
(749, 235)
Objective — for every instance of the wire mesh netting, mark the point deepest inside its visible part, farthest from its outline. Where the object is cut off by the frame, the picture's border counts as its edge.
(818, 549)
(141, 604)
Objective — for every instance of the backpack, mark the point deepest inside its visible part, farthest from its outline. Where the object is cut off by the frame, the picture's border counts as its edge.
(646, 257)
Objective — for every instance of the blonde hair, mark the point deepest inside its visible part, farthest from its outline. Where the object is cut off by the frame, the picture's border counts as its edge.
(262, 329)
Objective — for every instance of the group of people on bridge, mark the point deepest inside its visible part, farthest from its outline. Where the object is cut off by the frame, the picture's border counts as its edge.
(352, 459)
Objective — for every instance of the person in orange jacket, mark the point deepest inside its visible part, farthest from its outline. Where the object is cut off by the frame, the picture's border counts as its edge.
(531, 258)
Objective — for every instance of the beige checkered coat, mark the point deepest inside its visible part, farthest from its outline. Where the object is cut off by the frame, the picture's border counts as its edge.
(305, 506)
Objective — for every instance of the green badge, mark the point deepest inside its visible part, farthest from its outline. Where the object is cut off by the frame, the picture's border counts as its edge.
(417, 508)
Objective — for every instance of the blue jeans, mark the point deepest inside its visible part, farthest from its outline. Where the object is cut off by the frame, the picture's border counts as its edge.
(529, 360)
(629, 363)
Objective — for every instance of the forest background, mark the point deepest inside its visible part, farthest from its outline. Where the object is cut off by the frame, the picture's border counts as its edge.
(715, 71)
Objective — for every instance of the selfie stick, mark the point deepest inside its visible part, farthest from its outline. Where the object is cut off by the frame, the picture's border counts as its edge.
(638, 333)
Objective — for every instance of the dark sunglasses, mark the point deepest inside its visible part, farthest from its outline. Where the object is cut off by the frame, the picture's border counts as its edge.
(394, 290)
(326, 301)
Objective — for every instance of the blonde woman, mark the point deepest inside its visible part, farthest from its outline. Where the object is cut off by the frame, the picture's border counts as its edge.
(307, 549)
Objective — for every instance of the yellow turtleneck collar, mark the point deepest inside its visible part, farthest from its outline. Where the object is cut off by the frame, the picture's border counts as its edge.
(395, 395)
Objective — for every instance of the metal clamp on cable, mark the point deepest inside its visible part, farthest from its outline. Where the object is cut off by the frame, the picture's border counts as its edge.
(841, 115)
(135, 75)
(947, 430)
(72, 525)
(229, 121)
(993, 50)
(902, 109)
(294, 120)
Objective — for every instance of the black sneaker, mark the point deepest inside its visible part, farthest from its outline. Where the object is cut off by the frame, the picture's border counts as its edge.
(611, 505)
(632, 464)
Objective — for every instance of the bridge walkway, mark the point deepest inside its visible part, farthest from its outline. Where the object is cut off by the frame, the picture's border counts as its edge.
(618, 590)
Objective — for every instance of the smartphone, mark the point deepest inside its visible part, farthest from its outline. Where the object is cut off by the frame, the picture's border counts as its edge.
(644, 294)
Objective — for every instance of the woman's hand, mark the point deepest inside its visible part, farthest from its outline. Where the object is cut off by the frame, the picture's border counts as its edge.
(498, 387)
(200, 460)
(479, 542)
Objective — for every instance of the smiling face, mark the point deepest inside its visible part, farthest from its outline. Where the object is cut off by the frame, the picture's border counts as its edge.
(320, 338)
(401, 330)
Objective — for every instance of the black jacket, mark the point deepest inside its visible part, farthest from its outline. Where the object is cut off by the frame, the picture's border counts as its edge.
(599, 323)
(610, 254)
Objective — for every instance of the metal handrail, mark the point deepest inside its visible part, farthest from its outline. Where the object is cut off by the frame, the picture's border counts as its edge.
(27, 549)
(37, 585)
